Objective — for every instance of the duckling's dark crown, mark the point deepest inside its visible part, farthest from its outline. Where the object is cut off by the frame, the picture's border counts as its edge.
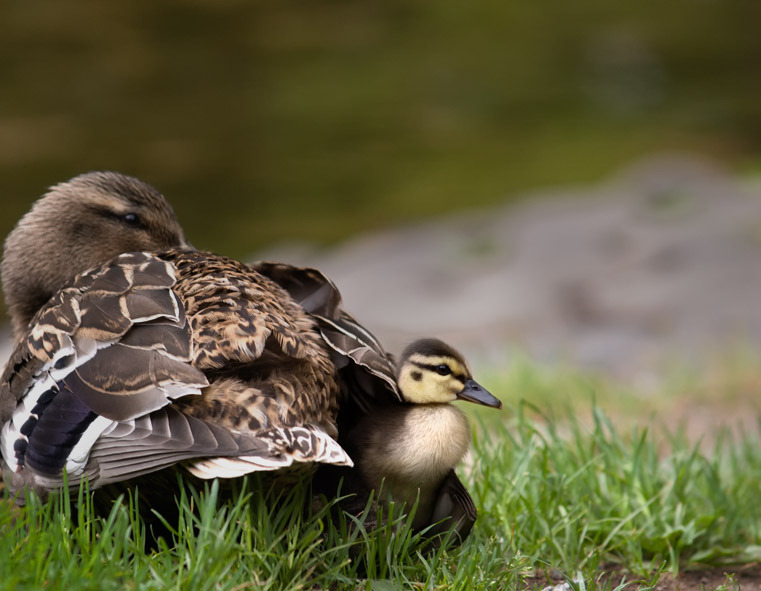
(430, 348)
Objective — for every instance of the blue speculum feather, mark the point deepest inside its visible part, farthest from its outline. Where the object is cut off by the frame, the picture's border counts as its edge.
(58, 421)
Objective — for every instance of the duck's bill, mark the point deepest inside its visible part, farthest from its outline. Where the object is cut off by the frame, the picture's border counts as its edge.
(474, 392)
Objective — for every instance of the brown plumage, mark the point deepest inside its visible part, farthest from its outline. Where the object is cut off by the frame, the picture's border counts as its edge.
(92, 217)
(152, 358)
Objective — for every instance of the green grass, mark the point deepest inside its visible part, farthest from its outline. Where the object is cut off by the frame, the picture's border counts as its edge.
(561, 495)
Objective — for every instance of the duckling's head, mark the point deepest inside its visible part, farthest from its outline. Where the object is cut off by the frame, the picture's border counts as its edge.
(77, 225)
(432, 372)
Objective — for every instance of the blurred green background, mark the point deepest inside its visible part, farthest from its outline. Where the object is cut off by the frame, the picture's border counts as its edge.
(273, 121)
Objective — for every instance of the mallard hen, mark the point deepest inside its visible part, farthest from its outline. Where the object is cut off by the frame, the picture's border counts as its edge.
(410, 448)
(134, 352)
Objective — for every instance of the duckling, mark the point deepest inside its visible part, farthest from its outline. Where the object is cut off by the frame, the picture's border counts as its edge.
(368, 377)
(134, 352)
(412, 448)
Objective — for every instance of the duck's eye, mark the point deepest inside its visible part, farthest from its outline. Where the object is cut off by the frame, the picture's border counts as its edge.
(443, 369)
(131, 219)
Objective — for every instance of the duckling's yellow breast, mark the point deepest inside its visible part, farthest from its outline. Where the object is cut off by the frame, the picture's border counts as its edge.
(430, 439)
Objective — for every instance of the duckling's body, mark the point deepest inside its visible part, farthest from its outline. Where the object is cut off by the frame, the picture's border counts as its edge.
(410, 449)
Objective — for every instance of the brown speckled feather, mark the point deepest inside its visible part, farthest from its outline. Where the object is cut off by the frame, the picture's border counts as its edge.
(121, 351)
(367, 371)
(93, 313)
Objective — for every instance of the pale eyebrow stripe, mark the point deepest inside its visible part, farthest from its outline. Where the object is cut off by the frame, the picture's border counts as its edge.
(457, 372)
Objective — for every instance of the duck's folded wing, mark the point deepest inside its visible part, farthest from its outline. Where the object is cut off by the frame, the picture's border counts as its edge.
(354, 347)
(123, 450)
(165, 437)
(111, 347)
(281, 447)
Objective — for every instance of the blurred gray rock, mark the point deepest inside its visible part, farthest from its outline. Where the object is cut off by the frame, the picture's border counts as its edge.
(660, 263)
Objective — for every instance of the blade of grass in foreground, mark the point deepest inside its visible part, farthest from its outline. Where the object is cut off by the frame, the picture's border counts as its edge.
(567, 497)
(577, 498)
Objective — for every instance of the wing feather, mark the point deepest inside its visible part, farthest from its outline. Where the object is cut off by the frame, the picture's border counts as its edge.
(454, 509)
(73, 374)
(352, 344)
(100, 386)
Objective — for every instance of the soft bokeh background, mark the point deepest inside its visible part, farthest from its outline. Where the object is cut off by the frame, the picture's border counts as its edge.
(269, 123)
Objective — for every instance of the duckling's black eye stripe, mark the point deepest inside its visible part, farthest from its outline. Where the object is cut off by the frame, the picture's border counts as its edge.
(429, 367)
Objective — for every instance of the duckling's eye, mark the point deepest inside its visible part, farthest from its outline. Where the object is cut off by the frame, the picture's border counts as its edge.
(443, 369)
(131, 219)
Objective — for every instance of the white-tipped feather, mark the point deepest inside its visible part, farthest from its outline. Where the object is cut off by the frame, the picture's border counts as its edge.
(236, 467)
(7, 439)
(11, 431)
(80, 453)
(317, 446)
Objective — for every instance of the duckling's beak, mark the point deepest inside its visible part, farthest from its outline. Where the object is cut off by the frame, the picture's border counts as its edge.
(475, 392)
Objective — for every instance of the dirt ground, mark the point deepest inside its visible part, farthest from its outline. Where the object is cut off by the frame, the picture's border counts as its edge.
(731, 578)
(744, 578)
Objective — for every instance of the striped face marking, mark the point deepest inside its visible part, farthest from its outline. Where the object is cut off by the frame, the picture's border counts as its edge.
(430, 379)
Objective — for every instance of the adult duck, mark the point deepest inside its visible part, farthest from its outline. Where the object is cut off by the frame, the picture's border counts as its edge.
(134, 352)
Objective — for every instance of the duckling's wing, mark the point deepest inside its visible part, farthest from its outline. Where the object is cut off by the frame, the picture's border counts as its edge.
(371, 369)
(112, 346)
(454, 509)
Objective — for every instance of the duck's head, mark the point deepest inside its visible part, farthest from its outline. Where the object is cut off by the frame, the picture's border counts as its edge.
(77, 225)
(432, 372)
